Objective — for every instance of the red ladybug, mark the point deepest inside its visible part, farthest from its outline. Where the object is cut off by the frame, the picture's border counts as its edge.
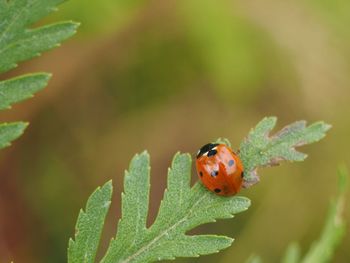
(220, 169)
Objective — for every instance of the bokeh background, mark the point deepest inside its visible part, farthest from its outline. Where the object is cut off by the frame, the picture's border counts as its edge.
(169, 76)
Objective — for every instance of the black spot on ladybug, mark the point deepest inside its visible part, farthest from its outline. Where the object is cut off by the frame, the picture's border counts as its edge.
(217, 190)
(206, 148)
(231, 162)
(200, 173)
(212, 153)
(214, 173)
(242, 174)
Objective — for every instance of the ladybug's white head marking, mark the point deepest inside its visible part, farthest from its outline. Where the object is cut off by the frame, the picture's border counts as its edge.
(206, 149)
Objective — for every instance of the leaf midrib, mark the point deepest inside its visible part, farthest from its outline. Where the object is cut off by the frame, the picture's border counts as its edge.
(13, 21)
(144, 248)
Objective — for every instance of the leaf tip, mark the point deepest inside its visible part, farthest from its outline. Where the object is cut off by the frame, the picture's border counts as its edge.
(24, 124)
(75, 24)
(269, 119)
(223, 141)
(327, 126)
(182, 156)
(343, 177)
(48, 75)
(108, 186)
(21, 126)
(245, 202)
(229, 240)
(144, 153)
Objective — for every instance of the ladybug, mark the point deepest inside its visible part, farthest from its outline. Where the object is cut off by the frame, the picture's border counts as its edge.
(219, 169)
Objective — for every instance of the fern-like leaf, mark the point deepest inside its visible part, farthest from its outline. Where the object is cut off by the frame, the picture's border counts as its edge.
(260, 149)
(184, 207)
(18, 42)
(89, 226)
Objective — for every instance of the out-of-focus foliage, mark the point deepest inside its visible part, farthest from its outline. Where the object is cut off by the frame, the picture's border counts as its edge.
(254, 259)
(336, 14)
(100, 16)
(236, 54)
(334, 230)
(292, 254)
(230, 47)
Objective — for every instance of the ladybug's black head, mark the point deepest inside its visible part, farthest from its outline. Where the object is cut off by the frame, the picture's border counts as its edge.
(206, 148)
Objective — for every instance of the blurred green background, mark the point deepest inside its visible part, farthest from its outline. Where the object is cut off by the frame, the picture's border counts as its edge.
(170, 76)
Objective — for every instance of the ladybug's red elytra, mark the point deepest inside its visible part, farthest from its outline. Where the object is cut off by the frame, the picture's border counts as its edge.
(219, 169)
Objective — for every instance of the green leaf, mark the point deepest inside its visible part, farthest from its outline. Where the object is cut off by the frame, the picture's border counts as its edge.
(334, 229)
(89, 226)
(223, 141)
(20, 88)
(182, 209)
(260, 149)
(10, 132)
(17, 42)
(292, 254)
